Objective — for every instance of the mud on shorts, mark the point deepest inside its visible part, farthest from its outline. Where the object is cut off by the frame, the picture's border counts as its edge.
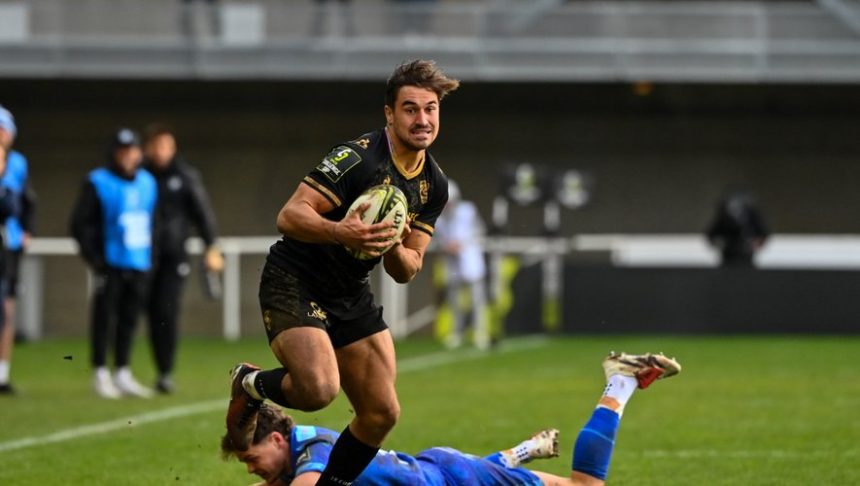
(286, 302)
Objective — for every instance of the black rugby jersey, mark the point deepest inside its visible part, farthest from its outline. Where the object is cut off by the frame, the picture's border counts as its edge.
(343, 175)
(182, 204)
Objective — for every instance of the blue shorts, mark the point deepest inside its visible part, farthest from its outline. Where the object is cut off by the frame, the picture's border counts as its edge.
(459, 468)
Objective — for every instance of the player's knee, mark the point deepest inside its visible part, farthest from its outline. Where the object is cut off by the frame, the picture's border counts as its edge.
(317, 394)
(383, 418)
(390, 416)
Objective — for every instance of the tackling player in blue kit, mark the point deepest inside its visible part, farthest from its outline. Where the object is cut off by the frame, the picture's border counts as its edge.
(283, 453)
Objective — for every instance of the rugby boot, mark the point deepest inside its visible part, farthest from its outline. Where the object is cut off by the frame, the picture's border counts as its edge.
(544, 445)
(646, 368)
(242, 411)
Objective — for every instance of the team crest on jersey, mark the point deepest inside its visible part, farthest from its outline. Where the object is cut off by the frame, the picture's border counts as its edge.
(317, 312)
(174, 183)
(338, 162)
(424, 191)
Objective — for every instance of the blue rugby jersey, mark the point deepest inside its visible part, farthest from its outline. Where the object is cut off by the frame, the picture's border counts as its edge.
(15, 179)
(128, 207)
(440, 466)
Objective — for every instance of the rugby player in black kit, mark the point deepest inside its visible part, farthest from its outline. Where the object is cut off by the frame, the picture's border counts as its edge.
(322, 323)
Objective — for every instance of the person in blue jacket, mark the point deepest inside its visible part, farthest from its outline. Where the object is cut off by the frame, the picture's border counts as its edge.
(285, 454)
(8, 208)
(113, 224)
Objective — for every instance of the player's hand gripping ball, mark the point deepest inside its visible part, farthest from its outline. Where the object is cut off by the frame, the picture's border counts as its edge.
(387, 203)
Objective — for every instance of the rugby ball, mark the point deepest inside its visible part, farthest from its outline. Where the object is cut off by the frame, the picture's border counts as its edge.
(387, 203)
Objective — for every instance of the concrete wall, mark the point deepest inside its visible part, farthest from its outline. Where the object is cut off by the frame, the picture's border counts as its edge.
(603, 299)
(660, 158)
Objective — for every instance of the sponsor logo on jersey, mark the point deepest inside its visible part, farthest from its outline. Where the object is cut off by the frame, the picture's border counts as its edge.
(338, 162)
(174, 183)
(424, 191)
(317, 312)
(267, 319)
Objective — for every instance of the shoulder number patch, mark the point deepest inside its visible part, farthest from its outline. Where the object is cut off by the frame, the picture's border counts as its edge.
(338, 162)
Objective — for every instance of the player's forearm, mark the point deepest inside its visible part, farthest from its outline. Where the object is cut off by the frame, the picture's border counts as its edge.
(403, 263)
(304, 479)
(301, 222)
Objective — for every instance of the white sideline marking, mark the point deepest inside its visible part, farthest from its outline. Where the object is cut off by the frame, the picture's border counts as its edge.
(110, 426)
(405, 366)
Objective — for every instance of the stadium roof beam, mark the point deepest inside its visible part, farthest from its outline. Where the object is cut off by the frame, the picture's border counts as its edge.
(679, 41)
(847, 12)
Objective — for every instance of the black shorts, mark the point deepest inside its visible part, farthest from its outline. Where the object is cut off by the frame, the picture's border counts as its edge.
(13, 265)
(286, 302)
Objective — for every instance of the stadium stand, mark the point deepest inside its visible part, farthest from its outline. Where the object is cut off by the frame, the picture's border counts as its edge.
(505, 40)
(686, 83)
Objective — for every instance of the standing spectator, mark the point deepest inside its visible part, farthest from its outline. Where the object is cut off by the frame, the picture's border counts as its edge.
(112, 223)
(19, 225)
(458, 231)
(738, 229)
(8, 207)
(182, 203)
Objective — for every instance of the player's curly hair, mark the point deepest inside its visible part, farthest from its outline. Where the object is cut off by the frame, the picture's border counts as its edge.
(420, 73)
(269, 419)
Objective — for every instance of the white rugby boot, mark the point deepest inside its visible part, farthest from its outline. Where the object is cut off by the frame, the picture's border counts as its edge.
(541, 445)
(544, 445)
(646, 368)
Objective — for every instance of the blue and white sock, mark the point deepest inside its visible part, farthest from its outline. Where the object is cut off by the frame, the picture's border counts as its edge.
(620, 388)
(593, 449)
(513, 457)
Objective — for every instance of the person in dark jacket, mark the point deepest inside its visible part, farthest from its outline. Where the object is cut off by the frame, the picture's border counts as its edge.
(8, 208)
(738, 229)
(112, 222)
(182, 204)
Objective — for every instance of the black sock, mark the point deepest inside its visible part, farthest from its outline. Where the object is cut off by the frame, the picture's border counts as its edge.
(347, 460)
(268, 385)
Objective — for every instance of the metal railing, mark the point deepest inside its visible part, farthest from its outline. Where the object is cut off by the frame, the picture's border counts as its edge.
(832, 252)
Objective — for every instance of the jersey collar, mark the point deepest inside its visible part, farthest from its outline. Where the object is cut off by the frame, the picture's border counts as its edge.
(398, 165)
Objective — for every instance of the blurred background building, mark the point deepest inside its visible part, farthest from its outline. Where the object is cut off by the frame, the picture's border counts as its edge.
(663, 103)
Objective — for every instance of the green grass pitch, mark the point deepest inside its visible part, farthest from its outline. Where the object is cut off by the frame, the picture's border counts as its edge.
(745, 410)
